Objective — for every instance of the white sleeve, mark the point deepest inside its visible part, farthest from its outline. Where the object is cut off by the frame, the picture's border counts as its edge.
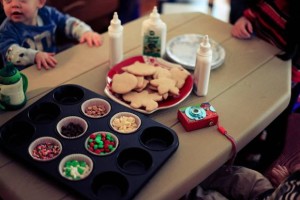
(75, 28)
(20, 55)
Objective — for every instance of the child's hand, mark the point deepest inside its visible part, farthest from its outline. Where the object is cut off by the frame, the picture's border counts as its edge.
(91, 38)
(242, 29)
(45, 60)
(279, 174)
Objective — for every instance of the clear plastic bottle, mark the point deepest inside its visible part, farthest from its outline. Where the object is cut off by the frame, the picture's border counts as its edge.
(115, 34)
(154, 33)
(202, 67)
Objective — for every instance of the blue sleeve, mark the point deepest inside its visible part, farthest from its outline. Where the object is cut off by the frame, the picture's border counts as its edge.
(8, 36)
(51, 15)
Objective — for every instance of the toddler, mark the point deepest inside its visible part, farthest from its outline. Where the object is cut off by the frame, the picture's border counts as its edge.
(27, 35)
(241, 183)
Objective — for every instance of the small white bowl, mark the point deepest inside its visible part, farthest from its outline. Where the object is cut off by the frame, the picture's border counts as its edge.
(77, 157)
(90, 106)
(125, 122)
(71, 119)
(44, 140)
(100, 148)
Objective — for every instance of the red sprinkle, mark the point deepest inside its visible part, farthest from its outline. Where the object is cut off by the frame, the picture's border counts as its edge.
(45, 151)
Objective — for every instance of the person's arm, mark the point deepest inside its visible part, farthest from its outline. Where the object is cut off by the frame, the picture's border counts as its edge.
(20, 56)
(288, 188)
(82, 32)
(23, 56)
(243, 28)
(237, 7)
(279, 174)
(74, 28)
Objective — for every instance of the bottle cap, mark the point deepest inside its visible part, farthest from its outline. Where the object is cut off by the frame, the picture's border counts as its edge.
(115, 24)
(204, 44)
(8, 70)
(9, 74)
(154, 16)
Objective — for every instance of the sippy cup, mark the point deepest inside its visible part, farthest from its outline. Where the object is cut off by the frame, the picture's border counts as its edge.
(13, 86)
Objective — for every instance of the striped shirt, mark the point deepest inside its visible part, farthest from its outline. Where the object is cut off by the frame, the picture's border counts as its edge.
(288, 190)
(269, 19)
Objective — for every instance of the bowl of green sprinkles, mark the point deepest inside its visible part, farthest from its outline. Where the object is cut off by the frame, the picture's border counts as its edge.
(75, 167)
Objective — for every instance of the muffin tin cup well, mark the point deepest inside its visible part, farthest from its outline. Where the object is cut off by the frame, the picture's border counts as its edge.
(17, 133)
(135, 161)
(157, 138)
(120, 173)
(44, 112)
(110, 185)
(68, 94)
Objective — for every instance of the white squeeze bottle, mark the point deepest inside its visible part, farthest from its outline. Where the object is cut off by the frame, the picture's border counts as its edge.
(115, 34)
(154, 33)
(202, 67)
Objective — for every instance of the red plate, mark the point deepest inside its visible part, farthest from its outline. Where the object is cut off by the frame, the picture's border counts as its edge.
(169, 102)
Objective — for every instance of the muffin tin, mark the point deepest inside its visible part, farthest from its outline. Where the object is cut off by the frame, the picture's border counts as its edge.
(118, 175)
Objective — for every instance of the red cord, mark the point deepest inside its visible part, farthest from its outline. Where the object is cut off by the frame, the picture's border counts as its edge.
(223, 131)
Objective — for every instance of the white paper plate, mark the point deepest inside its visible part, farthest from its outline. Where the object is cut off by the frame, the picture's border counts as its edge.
(183, 48)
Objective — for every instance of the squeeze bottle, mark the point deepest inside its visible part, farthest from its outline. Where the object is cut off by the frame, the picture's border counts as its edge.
(154, 32)
(115, 34)
(202, 67)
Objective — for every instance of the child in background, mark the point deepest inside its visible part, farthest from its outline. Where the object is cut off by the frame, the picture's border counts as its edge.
(27, 35)
(241, 183)
(275, 21)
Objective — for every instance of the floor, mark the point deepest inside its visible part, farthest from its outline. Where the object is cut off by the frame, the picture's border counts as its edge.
(217, 8)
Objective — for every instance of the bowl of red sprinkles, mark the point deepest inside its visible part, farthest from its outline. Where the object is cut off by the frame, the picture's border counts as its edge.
(45, 149)
(101, 143)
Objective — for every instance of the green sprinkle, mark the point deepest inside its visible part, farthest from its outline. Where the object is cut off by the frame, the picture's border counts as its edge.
(80, 170)
(74, 163)
(98, 140)
(82, 164)
(68, 164)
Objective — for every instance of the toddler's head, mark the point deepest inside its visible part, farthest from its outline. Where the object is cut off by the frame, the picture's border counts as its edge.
(24, 11)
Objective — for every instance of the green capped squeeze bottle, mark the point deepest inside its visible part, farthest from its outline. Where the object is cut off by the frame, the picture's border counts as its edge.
(13, 86)
(154, 32)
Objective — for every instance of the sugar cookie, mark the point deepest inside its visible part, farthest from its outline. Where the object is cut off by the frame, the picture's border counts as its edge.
(140, 69)
(145, 99)
(165, 85)
(123, 83)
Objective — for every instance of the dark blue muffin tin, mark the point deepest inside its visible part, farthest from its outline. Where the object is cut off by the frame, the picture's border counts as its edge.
(119, 175)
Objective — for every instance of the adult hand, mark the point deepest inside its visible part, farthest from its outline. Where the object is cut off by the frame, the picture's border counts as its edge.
(242, 29)
(45, 60)
(91, 38)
